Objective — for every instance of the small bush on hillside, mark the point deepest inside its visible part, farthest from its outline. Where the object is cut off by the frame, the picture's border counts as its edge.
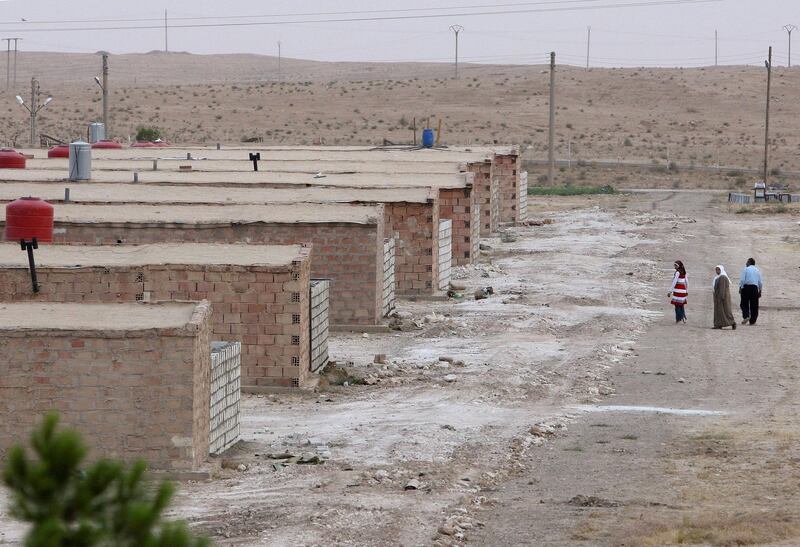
(147, 133)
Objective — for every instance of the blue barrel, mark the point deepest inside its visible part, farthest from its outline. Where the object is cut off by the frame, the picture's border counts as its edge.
(427, 138)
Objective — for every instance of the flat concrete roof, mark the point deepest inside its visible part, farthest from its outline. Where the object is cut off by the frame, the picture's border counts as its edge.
(251, 178)
(242, 164)
(19, 316)
(136, 193)
(217, 214)
(309, 153)
(77, 256)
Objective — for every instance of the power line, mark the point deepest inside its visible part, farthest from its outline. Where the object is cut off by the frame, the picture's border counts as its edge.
(616, 5)
(303, 14)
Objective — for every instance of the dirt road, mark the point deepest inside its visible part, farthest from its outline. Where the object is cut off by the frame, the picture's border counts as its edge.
(643, 477)
(510, 444)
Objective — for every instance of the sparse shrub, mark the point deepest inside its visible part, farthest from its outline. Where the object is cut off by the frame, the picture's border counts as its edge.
(672, 167)
(627, 142)
(144, 133)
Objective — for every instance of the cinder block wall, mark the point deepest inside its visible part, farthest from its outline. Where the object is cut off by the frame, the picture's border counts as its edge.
(132, 394)
(350, 255)
(414, 227)
(523, 196)
(506, 170)
(264, 308)
(461, 206)
(482, 188)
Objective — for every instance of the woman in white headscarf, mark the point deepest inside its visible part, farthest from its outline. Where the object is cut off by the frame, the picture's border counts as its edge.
(723, 316)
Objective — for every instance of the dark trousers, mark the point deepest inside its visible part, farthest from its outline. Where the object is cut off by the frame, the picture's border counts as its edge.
(749, 303)
(680, 313)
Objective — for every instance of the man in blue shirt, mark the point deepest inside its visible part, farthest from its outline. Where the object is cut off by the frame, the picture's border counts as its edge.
(750, 288)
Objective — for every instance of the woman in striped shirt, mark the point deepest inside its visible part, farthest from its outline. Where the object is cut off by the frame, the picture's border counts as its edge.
(679, 291)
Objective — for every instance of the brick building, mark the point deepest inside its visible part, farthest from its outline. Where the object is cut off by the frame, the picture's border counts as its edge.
(259, 293)
(134, 379)
(348, 240)
(410, 214)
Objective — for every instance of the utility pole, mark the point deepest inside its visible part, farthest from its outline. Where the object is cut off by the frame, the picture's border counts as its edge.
(456, 29)
(166, 35)
(34, 107)
(8, 62)
(15, 60)
(768, 64)
(551, 157)
(789, 29)
(588, 42)
(105, 94)
(279, 61)
(716, 48)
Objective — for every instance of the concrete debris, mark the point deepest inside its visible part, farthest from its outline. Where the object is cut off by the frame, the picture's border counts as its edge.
(484, 247)
(446, 359)
(381, 475)
(309, 458)
(241, 467)
(538, 222)
(380, 359)
(413, 484)
(456, 286)
(483, 292)
(450, 378)
(507, 236)
(403, 323)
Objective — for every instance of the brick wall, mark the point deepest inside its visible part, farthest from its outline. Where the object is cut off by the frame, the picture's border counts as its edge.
(482, 187)
(350, 255)
(523, 196)
(414, 227)
(265, 308)
(461, 206)
(132, 394)
(506, 170)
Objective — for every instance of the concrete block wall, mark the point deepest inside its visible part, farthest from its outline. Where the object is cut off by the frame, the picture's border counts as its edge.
(495, 204)
(445, 235)
(482, 188)
(226, 392)
(320, 305)
(415, 228)
(133, 394)
(265, 308)
(506, 170)
(350, 255)
(461, 206)
(389, 283)
(523, 196)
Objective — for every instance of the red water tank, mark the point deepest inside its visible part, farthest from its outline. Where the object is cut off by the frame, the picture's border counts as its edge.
(28, 218)
(11, 159)
(107, 145)
(59, 151)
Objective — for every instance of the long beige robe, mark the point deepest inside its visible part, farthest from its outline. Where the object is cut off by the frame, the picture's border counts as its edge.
(723, 316)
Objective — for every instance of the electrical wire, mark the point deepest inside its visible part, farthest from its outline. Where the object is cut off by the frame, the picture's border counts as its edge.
(615, 5)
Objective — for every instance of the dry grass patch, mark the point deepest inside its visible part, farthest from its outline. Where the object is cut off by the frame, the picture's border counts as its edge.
(726, 530)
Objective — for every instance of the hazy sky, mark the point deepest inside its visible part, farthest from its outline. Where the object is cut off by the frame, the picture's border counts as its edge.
(667, 35)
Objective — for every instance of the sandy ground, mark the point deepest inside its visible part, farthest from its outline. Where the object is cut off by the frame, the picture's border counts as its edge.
(500, 446)
(705, 116)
